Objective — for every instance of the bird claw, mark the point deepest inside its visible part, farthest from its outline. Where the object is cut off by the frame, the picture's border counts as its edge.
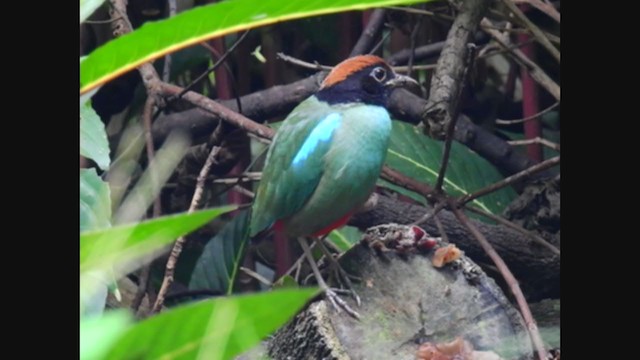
(339, 304)
(349, 292)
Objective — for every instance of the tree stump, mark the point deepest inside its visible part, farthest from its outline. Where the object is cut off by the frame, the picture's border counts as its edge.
(406, 301)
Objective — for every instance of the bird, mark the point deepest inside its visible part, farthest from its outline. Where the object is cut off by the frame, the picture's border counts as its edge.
(325, 158)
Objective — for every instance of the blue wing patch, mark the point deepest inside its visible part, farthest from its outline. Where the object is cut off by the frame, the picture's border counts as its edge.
(321, 133)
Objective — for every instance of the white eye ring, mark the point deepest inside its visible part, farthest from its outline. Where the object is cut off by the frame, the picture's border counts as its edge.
(379, 74)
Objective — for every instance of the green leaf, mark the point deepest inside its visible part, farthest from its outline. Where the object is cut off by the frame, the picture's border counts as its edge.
(217, 267)
(155, 39)
(98, 334)
(87, 7)
(93, 137)
(121, 245)
(95, 201)
(345, 237)
(214, 329)
(418, 156)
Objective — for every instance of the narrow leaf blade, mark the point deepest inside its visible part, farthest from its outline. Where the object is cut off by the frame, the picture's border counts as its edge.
(102, 249)
(214, 329)
(156, 39)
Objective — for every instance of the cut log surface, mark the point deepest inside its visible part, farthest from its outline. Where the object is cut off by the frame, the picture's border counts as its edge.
(405, 301)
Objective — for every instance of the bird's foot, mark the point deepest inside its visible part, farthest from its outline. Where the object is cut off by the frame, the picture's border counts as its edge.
(339, 304)
(344, 279)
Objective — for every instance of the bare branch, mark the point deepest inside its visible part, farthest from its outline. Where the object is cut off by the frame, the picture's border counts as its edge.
(511, 281)
(517, 121)
(535, 30)
(536, 71)
(536, 140)
(219, 110)
(510, 180)
(544, 6)
(121, 25)
(320, 67)
(499, 219)
(370, 33)
(177, 246)
(447, 80)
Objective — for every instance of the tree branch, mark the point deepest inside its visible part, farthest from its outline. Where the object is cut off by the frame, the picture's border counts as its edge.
(511, 281)
(510, 180)
(177, 246)
(370, 33)
(121, 25)
(535, 30)
(536, 71)
(447, 80)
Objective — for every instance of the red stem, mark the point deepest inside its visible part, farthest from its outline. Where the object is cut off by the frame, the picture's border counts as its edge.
(530, 105)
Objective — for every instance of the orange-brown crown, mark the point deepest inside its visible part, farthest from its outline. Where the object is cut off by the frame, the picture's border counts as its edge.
(350, 66)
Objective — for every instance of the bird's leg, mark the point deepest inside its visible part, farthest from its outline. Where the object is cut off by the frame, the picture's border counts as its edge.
(341, 275)
(331, 294)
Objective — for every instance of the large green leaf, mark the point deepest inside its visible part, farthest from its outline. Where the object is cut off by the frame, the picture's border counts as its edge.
(99, 334)
(419, 157)
(211, 329)
(93, 137)
(95, 201)
(120, 245)
(218, 265)
(155, 39)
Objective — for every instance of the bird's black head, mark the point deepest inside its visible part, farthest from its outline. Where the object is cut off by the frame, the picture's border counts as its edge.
(365, 79)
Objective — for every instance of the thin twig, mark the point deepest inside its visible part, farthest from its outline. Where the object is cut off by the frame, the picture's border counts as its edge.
(546, 7)
(422, 12)
(245, 177)
(510, 224)
(297, 263)
(121, 25)
(166, 71)
(536, 140)
(510, 180)
(441, 230)
(146, 120)
(518, 121)
(157, 205)
(99, 22)
(320, 67)
(302, 63)
(455, 110)
(379, 44)
(177, 247)
(220, 111)
(256, 276)
(244, 191)
(143, 282)
(370, 33)
(534, 334)
(221, 60)
(406, 182)
(536, 71)
(436, 209)
(412, 46)
(535, 30)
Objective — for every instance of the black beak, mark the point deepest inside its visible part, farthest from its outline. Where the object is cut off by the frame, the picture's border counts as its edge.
(401, 81)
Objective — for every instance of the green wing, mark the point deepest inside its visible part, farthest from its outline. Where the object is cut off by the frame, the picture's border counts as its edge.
(284, 189)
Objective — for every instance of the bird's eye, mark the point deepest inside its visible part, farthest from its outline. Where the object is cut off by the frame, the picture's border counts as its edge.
(379, 74)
